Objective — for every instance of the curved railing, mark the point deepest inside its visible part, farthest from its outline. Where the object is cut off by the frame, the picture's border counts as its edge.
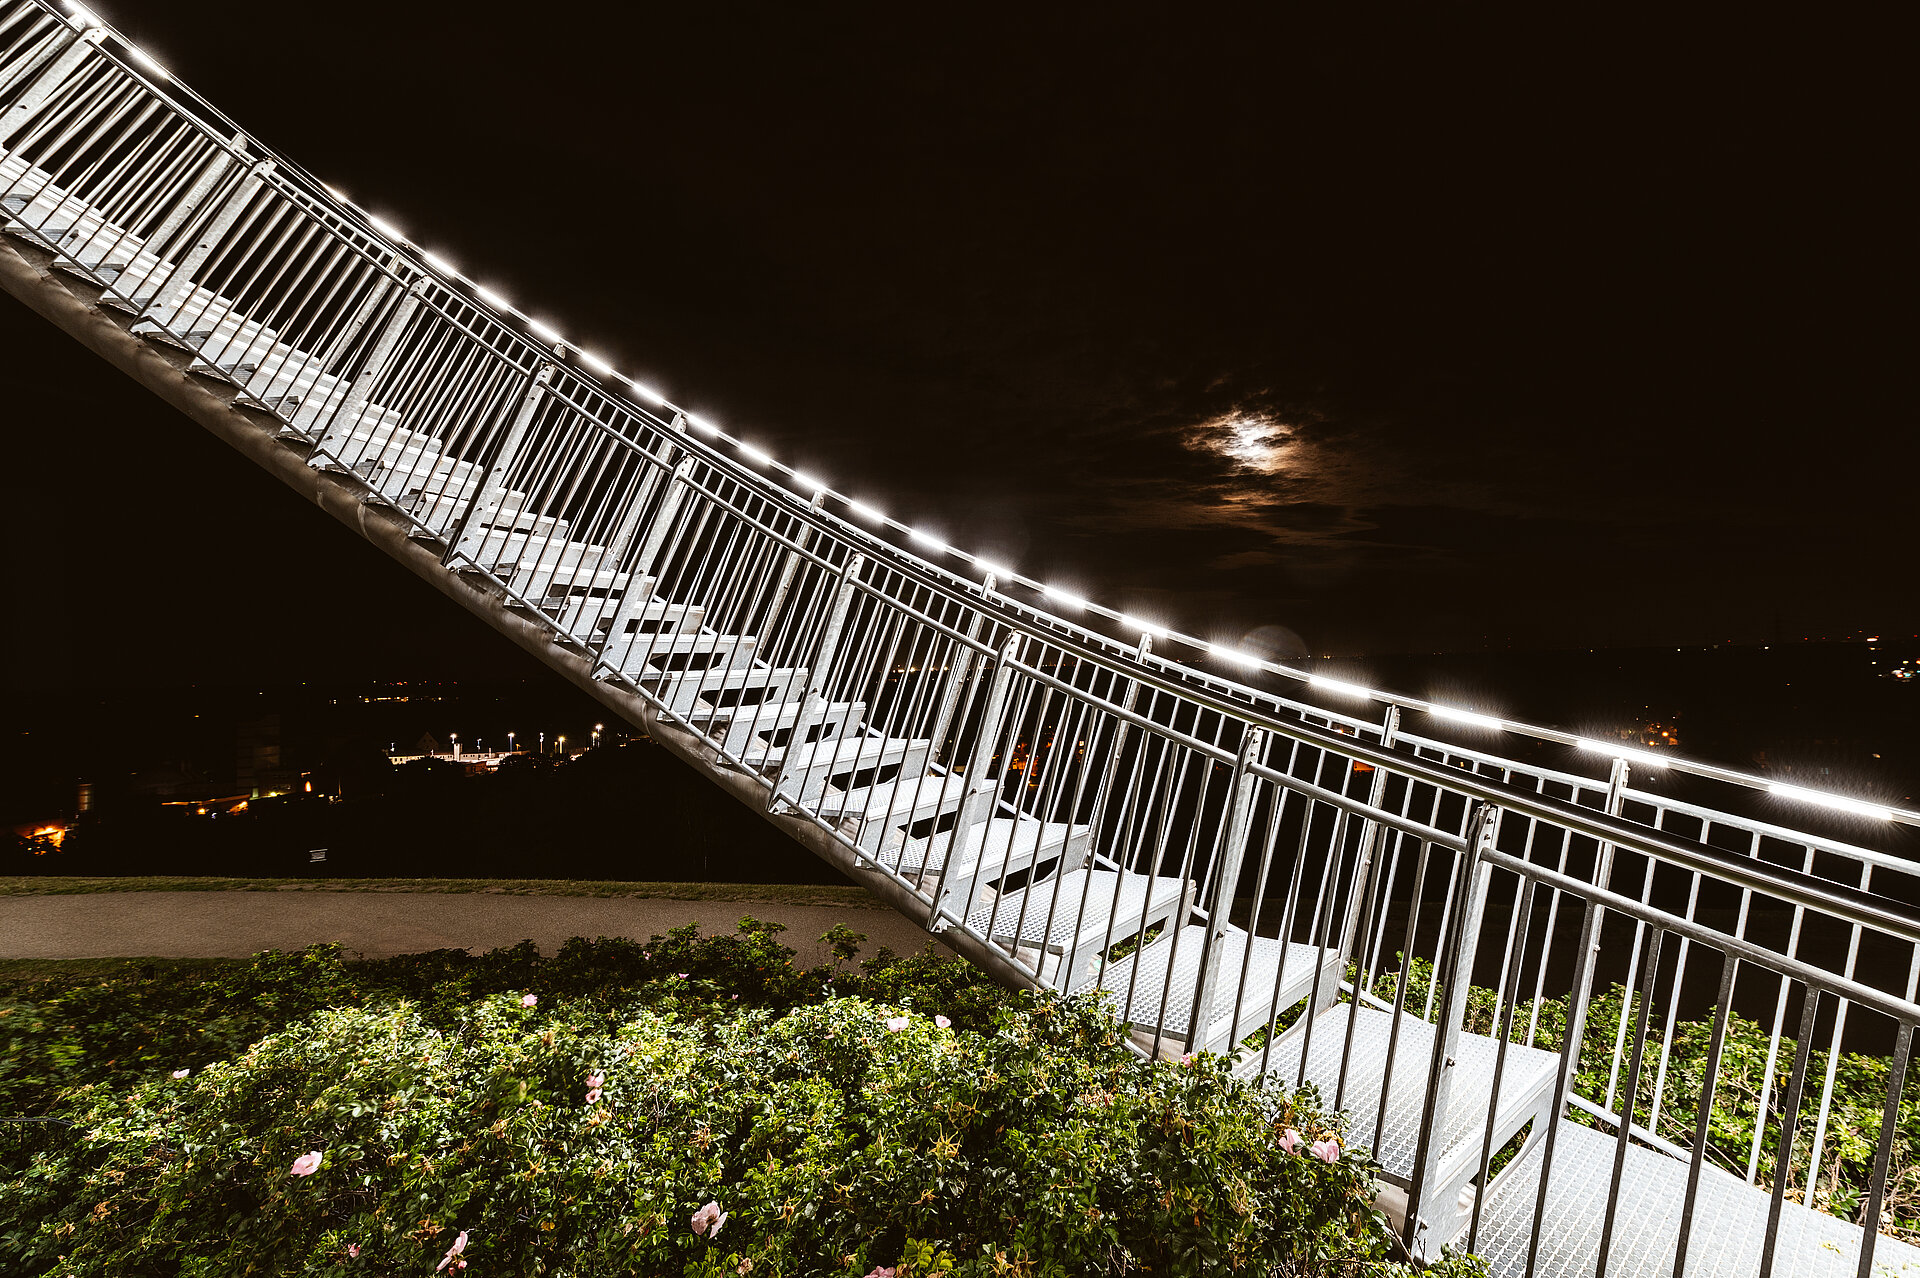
(1239, 870)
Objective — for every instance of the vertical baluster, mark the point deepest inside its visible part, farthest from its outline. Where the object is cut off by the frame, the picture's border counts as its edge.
(1456, 982)
(813, 703)
(1232, 848)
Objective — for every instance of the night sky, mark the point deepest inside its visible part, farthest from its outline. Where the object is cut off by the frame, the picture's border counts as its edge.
(1416, 333)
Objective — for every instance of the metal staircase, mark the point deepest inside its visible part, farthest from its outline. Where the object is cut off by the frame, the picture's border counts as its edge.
(1339, 900)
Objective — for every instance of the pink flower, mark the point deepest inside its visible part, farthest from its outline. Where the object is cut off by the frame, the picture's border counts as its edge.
(529, 1000)
(453, 1252)
(1291, 1141)
(181, 1073)
(597, 1079)
(707, 1221)
(680, 975)
(1327, 1149)
(593, 1096)
(305, 1165)
(896, 1024)
(1187, 1059)
(881, 1271)
(353, 1251)
(942, 1022)
(746, 1263)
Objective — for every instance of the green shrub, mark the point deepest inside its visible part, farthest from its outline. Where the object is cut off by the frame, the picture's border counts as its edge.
(835, 1122)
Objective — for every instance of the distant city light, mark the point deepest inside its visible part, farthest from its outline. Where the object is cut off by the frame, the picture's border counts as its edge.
(1339, 686)
(1839, 802)
(1465, 716)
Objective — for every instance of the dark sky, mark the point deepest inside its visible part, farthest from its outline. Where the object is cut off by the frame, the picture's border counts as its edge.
(1417, 332)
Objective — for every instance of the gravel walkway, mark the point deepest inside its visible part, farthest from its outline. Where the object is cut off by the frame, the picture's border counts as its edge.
(236, 924)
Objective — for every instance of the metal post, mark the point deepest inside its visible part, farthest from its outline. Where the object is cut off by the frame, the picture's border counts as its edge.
(1226, 874)
(813, 705)
(968, 663)
(49, 82)
(489, 496)
(179, 283)
(961, 840)
(1372, 835)
(1454, 996)
(196, 194)
(640, 585)
(341, 421)
(790, 567)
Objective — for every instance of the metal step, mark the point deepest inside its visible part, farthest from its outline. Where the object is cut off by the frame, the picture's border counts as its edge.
(878, 816)
(656, 617)
(1729, 1220)
(838, 762)
(1062, 924)
(771, 725)
(1526, 1096)
(990, 851)
(709, 689)
(664, 654)
(1154, 985)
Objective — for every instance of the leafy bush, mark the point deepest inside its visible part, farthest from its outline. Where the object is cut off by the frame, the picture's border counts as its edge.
(906, 1115)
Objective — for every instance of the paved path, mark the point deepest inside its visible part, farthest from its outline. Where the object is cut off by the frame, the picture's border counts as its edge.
(378, 924)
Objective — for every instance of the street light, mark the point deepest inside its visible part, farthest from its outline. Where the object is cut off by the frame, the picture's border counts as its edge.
(563, 747)
(596, 734)
(456, 746)
(509, 743)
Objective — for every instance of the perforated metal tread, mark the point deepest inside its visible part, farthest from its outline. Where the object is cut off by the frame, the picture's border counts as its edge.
(1729, 1221)
(835, 754)
(1010, 842)
(1046, 913)
(906, 797)
(1160, 1004)
(1526, 1082)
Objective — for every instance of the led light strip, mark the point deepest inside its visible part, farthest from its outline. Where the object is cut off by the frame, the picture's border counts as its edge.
(1001, 575)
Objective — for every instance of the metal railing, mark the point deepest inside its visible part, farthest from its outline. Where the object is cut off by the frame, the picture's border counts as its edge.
(1416, 927)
